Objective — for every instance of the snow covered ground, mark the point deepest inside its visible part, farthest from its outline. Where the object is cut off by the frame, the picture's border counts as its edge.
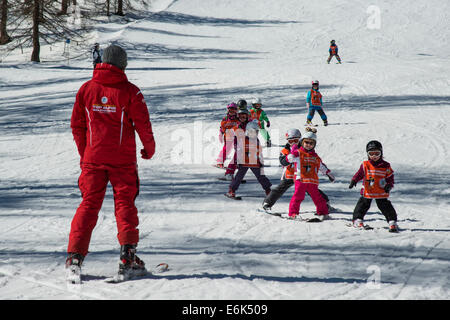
(191, 58)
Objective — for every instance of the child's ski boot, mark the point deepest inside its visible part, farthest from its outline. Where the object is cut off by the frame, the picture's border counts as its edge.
(393, 227)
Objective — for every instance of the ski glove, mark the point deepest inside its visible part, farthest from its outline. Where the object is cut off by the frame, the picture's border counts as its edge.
(352, 184)
(268, 124)
(388, 187)
(145, 155)
(331, 177)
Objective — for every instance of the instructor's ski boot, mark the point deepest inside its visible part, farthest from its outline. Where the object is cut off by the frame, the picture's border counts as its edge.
(325, 122)
(268, 143)
(73, 267)
(130, 265)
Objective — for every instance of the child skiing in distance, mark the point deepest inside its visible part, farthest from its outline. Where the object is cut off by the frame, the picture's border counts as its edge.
(239, 132)
(333, 51)
(307, 165)
(293, 136)
(249, 156)
(225, 134)
(314, 103)
(96, 55)
(378, 181)
(258, 114)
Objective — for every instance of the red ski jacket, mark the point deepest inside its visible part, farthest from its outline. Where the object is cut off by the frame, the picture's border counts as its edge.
(107, 111)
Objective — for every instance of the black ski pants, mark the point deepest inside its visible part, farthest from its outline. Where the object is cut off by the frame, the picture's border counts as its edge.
(384, 205)
(279, 190)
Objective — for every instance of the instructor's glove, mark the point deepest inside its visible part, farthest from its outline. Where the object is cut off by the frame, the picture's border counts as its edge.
(352, 184)
(268, 124)
(145, 155)
(388, 187)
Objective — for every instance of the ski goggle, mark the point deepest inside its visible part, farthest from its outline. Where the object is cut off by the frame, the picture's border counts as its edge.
(257, 105)
(374, 153)
(294, 140)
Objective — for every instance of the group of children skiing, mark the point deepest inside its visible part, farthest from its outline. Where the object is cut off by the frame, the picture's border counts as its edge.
(301, 164)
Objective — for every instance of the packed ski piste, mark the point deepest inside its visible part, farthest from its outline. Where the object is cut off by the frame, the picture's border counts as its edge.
(231, 151)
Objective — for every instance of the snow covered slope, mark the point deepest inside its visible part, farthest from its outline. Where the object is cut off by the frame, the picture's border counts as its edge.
(191, 58)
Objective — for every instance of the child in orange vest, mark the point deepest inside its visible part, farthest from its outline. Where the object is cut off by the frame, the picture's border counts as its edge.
(307, 165)
(314, 103)
(293, 136)
(378, 181)
(333, 51)
(238, 132)
(249, 156)
(225, 135)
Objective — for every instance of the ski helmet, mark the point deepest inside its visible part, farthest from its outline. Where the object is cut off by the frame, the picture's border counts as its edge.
(293, 134)
(374, 145)
(315, 82)
(252, 128)
(232, 105)
(332, 41)
(242, 104)
(256, 101)
(310, 134)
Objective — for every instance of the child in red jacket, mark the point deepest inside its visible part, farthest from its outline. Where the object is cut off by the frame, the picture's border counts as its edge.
(378, 181)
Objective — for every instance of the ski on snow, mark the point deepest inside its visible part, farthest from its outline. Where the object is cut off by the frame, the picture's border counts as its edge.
(160, 268)
(73, 274)
(284, 215)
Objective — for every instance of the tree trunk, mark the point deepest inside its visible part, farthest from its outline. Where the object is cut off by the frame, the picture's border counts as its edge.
(120, 8)
(36, 45)
(64, 5)
(4, 37)
(107, 8)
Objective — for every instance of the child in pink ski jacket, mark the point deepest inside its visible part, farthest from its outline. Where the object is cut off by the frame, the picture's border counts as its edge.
(307, 165)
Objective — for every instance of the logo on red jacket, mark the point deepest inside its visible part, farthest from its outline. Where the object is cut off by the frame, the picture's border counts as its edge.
(104, 100)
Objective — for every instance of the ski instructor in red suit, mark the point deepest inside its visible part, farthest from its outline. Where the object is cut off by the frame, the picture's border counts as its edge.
(107, 112)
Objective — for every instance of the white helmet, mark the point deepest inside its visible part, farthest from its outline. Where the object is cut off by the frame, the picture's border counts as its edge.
(293, 134)
(252, 128)
(310, 134)
(256, 101)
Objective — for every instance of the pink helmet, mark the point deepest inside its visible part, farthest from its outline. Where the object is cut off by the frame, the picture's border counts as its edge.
(232, 106)
(315, 82)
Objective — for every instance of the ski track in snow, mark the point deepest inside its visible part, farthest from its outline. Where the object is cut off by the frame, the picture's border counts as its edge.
(190, 59)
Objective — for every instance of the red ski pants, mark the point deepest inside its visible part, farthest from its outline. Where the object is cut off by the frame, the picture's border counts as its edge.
(299, 194)
(93, 182)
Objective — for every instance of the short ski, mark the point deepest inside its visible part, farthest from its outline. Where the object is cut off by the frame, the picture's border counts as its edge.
(234, 198)
(364, 227)
(160, 268)
(285, 215)
(278, 214)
